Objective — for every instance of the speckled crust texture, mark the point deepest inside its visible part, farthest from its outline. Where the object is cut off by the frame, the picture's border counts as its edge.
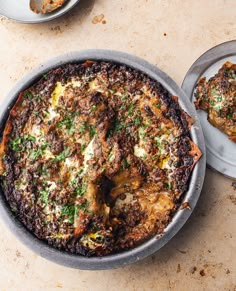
(95, 157)
(217, 97)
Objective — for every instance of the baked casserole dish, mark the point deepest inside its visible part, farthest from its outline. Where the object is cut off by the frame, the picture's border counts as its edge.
(96, 158)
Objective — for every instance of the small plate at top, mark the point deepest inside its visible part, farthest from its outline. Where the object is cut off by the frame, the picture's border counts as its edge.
(19, 11)
(220, 151)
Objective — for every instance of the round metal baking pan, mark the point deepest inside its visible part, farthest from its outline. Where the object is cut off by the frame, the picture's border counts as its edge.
(181, 216)
(20, 11)
(220, 151)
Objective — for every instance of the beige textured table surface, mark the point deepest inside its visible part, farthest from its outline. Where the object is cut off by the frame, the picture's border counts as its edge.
(170, 34)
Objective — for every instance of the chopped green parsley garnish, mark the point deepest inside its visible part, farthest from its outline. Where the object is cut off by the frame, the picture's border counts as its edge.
(81, 190)
(84, 206)
(62, 156)
(44, 196)
(94, 108)
(70, 211)
(125, 163)
(82, 147)
(158, 105)
(28, 137)
(82, 129)
(137, 120)
(92, 130)
(131, 109)
(39, 151)
(28, 94)
(124, 97)
(16, 143)
(110, 157)
(118, 126)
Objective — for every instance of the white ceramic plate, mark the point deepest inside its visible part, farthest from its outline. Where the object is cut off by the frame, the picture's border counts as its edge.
(220, 151)
(19, 10)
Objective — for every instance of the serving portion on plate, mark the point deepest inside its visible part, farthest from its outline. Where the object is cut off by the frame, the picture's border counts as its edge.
(97, 156)
(217, 97)
(210, 84)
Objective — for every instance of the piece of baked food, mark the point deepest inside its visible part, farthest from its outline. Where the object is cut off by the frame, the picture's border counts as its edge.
(217, 97)
(46, 6)
(95, 157)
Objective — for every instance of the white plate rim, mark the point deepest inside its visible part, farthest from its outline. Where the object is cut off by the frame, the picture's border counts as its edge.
(45, 17)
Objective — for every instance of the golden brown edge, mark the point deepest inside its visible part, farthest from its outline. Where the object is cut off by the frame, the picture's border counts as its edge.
(7, 131)
(195, 152)
(229, 65)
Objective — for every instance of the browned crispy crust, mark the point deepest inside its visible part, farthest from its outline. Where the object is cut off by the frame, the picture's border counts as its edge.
(155, 201)
(195, 153)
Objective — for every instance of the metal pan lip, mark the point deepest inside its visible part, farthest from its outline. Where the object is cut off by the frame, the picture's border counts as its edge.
(206, 60)
(191, 196)
(42, 18)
